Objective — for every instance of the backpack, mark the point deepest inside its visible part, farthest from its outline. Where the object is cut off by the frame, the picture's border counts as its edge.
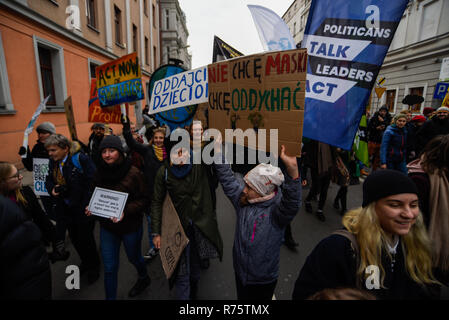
(76, 162)
(354, 245)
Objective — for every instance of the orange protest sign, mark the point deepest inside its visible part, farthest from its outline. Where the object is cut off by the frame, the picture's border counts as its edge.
(99, 114)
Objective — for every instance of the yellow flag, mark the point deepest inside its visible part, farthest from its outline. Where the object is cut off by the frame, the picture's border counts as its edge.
(446, 100)
(380, 92)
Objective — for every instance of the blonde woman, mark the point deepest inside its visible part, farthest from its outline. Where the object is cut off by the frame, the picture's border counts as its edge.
(384, 250)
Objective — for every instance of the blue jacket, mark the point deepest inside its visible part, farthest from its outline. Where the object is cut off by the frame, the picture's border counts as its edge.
(259, 227)
(393, 147)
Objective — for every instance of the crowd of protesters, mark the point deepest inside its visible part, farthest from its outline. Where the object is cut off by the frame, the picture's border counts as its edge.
(394, 246)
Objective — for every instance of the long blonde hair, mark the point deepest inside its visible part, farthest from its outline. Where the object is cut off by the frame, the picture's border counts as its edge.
(5, 173)
(364, 224)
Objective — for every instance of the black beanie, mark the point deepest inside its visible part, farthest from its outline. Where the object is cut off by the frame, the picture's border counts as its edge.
(112, 142)
(384, 183)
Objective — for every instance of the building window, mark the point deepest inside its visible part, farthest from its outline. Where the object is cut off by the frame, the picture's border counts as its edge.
(51, 72)
(167, 20)
(147, 52)
(430, 19)
(6, 105)
(154, 16)
(390, 100)
(294, 29)
(47, 75)
(145, 7)
(91, 13)
(135, 45)
(154, 57)
(93, 64)
(118, 25)
(419, 91)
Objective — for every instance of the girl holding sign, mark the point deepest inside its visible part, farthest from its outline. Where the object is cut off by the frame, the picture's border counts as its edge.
(115, 172)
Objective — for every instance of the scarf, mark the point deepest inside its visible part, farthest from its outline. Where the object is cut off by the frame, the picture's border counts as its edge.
(109, 175)
(180, 171)
(439, 218)
(160, 152)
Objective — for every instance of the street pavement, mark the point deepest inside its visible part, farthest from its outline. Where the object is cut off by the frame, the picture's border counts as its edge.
(217, 282)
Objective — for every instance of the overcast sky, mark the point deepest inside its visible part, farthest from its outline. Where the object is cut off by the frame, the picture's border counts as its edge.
(229, 20)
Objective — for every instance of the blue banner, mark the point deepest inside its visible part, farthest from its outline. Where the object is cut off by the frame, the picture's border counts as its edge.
(347, 41)
(115, 94)
(175, 118)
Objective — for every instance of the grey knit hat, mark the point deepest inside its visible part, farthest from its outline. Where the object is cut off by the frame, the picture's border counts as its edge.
(46, 127)
(112, 142)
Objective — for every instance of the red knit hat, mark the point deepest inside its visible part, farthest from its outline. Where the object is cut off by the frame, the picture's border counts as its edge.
(428, 110)
(419, 118)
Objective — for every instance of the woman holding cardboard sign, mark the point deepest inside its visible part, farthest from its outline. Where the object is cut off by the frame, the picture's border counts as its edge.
(115, 172)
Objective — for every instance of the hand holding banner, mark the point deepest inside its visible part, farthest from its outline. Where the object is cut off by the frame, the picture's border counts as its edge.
(30, 126)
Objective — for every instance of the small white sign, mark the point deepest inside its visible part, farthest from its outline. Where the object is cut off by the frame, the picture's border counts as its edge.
(107, 203)
(180, 90)
(444, 72)
(40, 173)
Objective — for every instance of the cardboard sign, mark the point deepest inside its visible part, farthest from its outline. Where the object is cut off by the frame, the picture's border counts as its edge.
(119, 81)
(173, 238)
(262, 91)
(40, 173)
(99, 114)
(107, 203)
(68, 106)
(180, 90)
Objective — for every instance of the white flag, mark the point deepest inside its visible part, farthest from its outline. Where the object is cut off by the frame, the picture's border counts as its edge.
(273, 32)
(30, 126)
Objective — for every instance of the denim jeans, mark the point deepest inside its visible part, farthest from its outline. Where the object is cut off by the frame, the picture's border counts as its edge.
(398, 166)
(150, 236)
(110, 251)
(192, 274)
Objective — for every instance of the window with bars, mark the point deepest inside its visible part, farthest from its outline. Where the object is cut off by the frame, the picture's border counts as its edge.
(48, 86)
(91, 13)
(118, 25)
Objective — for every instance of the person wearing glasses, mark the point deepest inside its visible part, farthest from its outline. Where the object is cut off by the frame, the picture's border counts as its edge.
(11, 187)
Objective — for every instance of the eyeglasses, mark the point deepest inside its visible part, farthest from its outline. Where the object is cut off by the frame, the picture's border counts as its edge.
(17, 175)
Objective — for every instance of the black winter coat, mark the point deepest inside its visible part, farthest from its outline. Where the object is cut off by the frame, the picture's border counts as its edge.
(374, 134)
(34, 212)
(429, 130)
(151, 162)
(79, 187)
(24, 268)
(38, 151)
(332, 264)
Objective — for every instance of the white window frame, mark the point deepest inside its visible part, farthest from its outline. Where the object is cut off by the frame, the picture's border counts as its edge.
(417, 85)
(383, 100)
(5, 92)
(92, 61)
(422, 4)
(58, 66)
